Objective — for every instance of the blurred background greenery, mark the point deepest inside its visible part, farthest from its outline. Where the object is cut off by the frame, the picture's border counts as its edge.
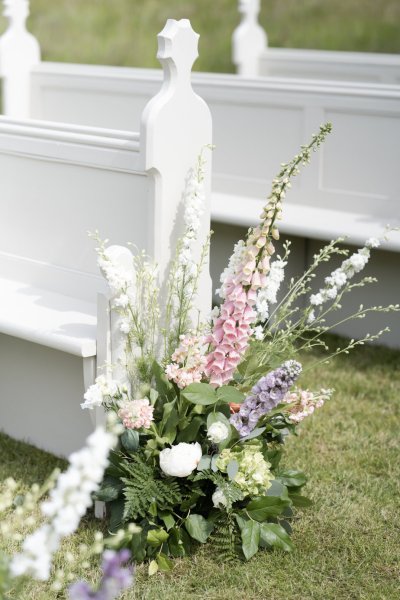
(123, 32)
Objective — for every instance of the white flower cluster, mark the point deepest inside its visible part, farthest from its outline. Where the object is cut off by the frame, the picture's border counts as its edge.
(119, 277)
(101, 389)
(67, 504)
(339, 277)
(235, 260)
(193, 199)
(267, 294)
(217, 432)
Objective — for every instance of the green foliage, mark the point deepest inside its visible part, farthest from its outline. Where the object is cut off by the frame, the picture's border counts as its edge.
(225, 538)
(198, 527)
(144, 487)
(200, 393)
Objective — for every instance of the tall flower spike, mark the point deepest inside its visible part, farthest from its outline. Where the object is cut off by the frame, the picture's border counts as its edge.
(265, 395)
(229, 338)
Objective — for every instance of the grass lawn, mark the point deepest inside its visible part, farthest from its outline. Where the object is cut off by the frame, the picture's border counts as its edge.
(123, 32)
(346, 544)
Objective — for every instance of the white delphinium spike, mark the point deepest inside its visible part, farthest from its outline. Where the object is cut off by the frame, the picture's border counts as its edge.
(339, 277)
(267, 295)
(235, 260)
(67, 504)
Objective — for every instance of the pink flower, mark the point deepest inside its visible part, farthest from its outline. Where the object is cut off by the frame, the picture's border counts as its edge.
(189, 362)
(136, 414)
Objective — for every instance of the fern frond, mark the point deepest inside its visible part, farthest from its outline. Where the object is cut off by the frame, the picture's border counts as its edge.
(225, 538)
(144, 487)
(230, 489)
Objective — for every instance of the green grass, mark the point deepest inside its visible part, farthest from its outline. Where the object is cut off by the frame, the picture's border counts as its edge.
(123, 32)
(346, 544)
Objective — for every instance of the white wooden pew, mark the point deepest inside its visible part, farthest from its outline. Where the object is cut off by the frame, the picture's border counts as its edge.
(57, 181)
(254, 58)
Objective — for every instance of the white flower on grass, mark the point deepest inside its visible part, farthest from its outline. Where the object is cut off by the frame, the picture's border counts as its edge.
(180, 460)
(217, 432)
(218, 498)
(67, 504)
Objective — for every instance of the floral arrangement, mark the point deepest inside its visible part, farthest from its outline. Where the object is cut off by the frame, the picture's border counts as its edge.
(206, 412)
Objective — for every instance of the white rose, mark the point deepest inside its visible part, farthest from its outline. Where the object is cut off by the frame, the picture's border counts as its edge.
(218, 498)
(217, 432)
(180, 460)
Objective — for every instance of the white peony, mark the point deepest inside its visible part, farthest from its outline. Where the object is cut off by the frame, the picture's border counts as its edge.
(217, 432)
(180, 460)
(218, 498)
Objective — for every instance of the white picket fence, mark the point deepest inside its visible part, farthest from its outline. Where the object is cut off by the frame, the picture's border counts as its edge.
(57, 181)
(254, 58)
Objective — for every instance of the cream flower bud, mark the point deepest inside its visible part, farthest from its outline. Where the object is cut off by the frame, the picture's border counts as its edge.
(218, 498)
(180, 460)
(218, 432)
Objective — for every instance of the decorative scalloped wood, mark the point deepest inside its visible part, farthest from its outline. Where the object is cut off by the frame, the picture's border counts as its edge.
(19, 52)
(249, 39)
(176, 125)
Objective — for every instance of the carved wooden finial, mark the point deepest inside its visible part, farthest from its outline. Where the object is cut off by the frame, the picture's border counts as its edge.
(19, 53)
(178, 48)
(249, 8)
(16, 11)
(249, 39)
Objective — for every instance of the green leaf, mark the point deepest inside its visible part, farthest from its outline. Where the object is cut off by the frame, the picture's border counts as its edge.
(277, 489)
(168, 519)
(200, 393)
(275, 535)
(130, 440)
(198, 528)
(189, 434)
(204, 463)
(164, 387)
(179, 542)
(214, 459)
(232, 469)
(261, 509)
(253, 434)
(110, 489)
(116, 514)
(217, 417)
(292, 478)
(228, 393)
(169, 421)
(241, 521)
(156, 537)
(138, 546)
(165, 564)
(250, 538)
(300, 501)
(153, 568)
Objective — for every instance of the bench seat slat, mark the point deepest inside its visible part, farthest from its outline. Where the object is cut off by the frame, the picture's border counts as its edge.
(47, 318)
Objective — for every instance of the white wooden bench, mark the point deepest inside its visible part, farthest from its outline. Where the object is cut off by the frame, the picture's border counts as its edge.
(253, 57)
(350, 189)
(57, 181)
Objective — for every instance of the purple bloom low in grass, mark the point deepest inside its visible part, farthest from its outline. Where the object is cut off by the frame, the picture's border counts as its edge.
(268, 392)
(116, 578)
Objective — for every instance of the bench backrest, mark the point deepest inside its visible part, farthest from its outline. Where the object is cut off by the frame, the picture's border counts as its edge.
(256, 121)
(57, 181)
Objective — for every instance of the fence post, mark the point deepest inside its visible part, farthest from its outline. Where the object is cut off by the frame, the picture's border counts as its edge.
(19, 52)
(249, 39)
(175, 127)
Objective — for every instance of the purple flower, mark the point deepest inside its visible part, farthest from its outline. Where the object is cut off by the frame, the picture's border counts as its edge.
(268, 392)
(116, 578)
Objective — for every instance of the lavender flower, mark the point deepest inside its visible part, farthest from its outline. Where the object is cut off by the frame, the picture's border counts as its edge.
(268, 392)
(115, 580)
